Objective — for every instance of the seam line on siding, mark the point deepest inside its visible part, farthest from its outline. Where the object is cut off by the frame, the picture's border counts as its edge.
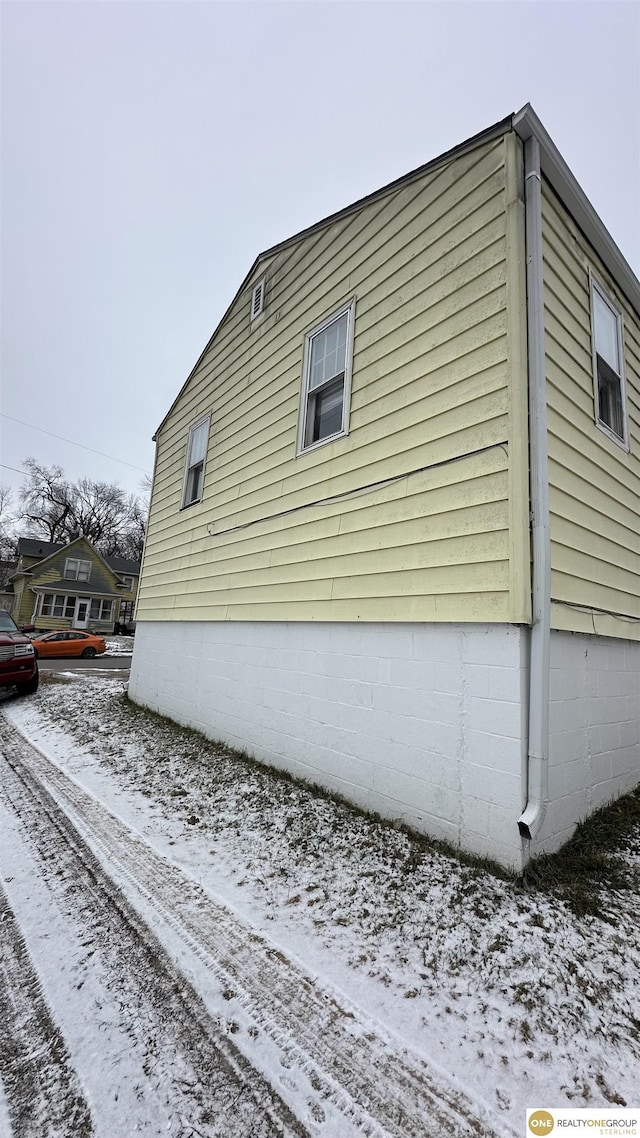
(360, 489)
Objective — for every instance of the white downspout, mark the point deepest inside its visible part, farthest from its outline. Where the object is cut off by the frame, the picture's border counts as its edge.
(532, 818)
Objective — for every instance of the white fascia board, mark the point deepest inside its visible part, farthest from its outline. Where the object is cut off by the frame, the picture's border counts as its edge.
(526, 123)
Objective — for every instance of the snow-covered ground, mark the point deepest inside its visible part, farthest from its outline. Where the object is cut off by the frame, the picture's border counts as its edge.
(119, 646)
(471, 989)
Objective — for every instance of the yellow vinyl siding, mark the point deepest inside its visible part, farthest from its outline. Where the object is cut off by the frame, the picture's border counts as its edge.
(594, 483)
(436, 272)
(53, 623)
(23, 605)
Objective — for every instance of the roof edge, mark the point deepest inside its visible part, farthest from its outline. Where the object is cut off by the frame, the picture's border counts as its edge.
(56, 552)
(527, 124)
(485, 135)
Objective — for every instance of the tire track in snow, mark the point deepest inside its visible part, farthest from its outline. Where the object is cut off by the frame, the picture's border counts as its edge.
(364, 1071)
(215, 1089)
(42, 1089)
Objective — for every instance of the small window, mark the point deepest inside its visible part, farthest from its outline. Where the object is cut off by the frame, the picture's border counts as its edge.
(608, 364)
(257, 299)
(327, 380)
(76, 570)
(196, 453)
(127, 581)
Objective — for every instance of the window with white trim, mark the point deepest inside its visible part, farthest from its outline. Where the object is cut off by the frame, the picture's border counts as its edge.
(608, 364)
(127, 581)
(326, 381)
(196, 454)
(76, 570)
(54, 604)
(257, 298)
(101, 610)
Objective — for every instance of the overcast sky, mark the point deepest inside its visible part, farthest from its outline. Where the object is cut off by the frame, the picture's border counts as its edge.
(151, 150)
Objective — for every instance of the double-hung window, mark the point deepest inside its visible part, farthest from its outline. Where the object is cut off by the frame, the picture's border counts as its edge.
(76, 570)
(326, 382)
(196, 454)
(608, 364)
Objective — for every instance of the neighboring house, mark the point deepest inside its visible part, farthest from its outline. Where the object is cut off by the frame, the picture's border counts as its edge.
(394, 539)
(72, 586)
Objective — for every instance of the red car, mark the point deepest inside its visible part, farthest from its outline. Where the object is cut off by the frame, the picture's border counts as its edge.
(71, 643)
(18, 663)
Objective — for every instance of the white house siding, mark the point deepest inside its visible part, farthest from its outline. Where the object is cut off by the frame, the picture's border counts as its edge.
(420, 723)
(594, 729)
(594, 483)
(438, 315)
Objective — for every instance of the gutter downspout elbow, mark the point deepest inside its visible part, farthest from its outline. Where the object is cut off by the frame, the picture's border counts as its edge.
(530, 822)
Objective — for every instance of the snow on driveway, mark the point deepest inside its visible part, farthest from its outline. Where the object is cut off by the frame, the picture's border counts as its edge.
(377, 986)
(104, 1035)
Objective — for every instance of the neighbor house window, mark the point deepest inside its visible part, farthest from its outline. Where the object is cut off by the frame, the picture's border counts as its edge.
(326, 379)
(56, 605)
(608, 366)
(101, 610)
(75, 570)
(127, 581)
(196, 453)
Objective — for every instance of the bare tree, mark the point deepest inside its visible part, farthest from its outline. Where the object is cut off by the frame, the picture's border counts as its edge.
(46, 501)
(59, 510)
(133, 542)
(8, 540)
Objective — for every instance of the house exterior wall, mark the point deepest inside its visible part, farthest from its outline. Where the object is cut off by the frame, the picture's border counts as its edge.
(101, 580)
(420, 723)
(594, 484)
(358, 614)
(594, 729)
(438, 408)
(23, 598)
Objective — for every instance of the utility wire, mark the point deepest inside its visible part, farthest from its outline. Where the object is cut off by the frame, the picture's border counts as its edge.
(14, 468)
(591, 609)
(71, 441)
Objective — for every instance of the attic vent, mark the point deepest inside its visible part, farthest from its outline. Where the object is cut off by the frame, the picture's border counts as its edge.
(257, 299)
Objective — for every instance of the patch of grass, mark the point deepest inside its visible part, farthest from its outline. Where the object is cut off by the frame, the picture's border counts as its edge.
(580, 875)
(590, 863)
(419, 845)
(52, 678)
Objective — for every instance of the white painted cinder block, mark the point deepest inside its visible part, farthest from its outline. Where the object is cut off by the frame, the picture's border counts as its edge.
(425, 724)
(420, 723)
(594, 729)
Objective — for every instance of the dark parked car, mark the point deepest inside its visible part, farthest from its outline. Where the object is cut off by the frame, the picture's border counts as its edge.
(18, 663)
